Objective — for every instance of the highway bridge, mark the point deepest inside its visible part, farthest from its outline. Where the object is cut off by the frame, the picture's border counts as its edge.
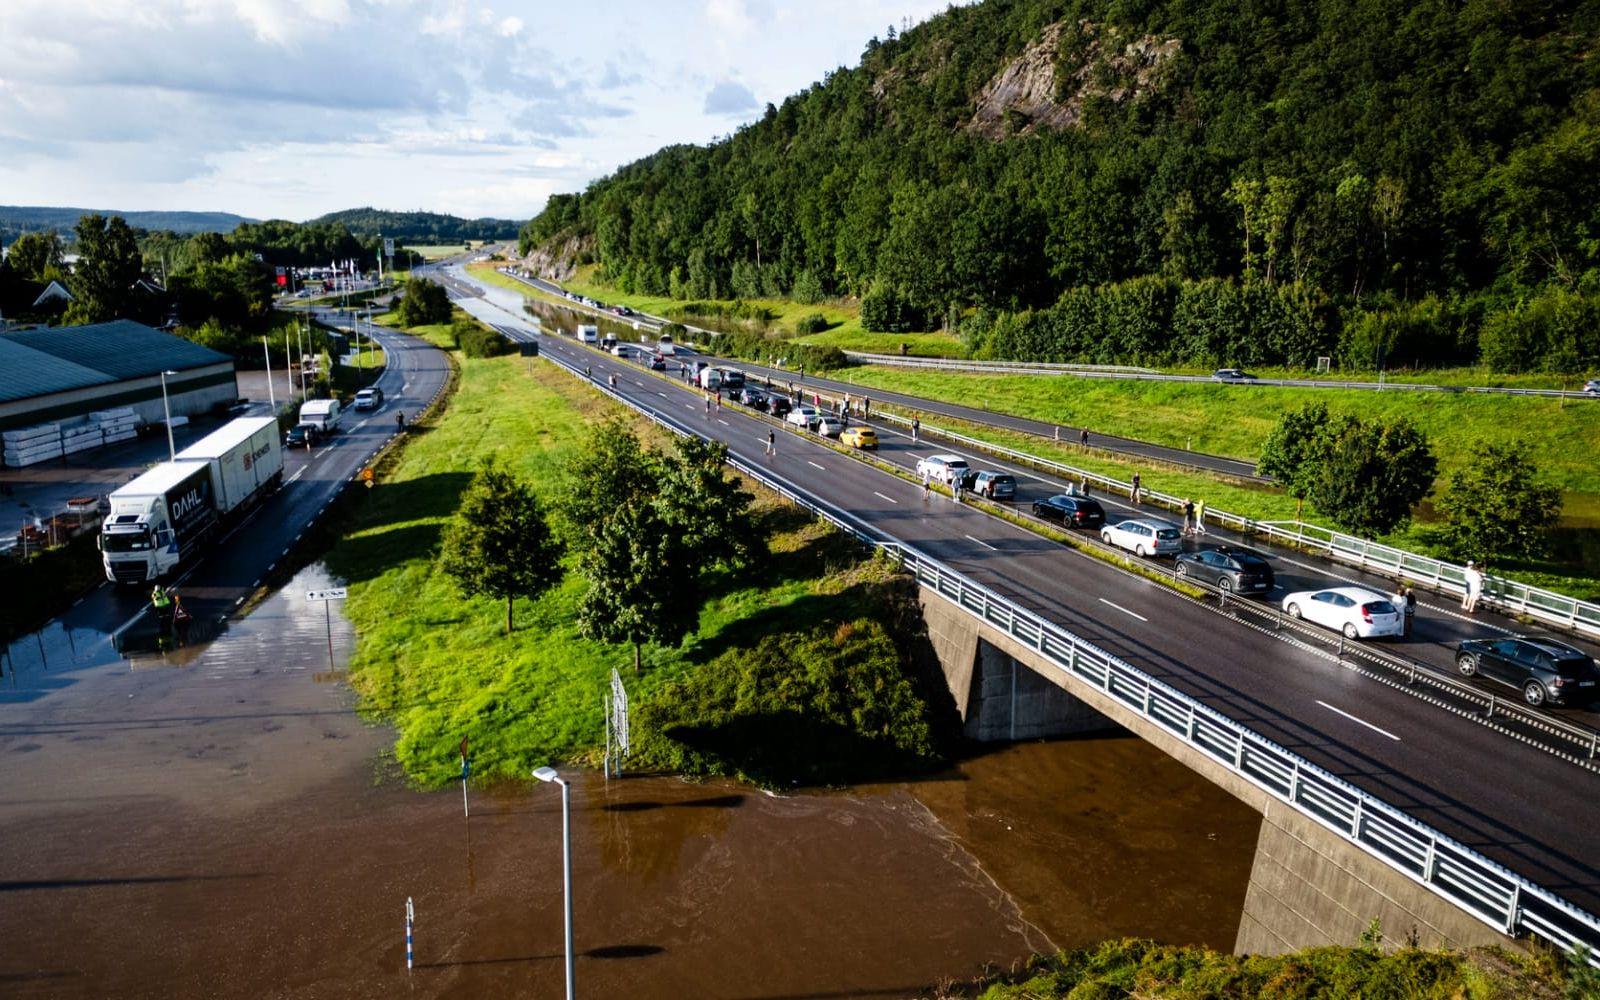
(1496, 794)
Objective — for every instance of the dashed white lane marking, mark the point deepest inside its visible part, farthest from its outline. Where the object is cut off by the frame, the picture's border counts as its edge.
(814, 465)
(985, 544)
(297, 475)
(890, 499)
(722, 422)
(325, 450)
(662, 395)
(1364, 722)
(1124, 610)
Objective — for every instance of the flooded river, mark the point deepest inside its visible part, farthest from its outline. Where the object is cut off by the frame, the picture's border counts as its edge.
(216, 821)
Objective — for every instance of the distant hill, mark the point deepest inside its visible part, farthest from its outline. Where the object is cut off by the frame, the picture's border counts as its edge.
(419, 228)
(18, 219)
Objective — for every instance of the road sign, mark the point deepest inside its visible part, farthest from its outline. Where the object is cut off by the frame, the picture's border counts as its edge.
(366, 474)
(336, 594)
(388, 247)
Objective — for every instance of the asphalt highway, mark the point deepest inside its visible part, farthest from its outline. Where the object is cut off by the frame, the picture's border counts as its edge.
(1107, 442)
(1508, 800)
(214, 586)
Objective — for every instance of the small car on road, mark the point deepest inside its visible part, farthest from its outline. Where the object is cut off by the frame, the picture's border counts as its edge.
(943, 468)
(302, 436)
(995, 485)
(828, 426)
(859, 437)
(752, 396)
(1231, 375)
(1071, 511)
(1543, 669)
(369, 398)
(803, 415)
(1147, 536)
(1357, 612)
(1229, 570)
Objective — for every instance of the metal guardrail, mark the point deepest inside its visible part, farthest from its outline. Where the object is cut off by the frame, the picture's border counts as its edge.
(1151, 375)
(1510, 596)
(1489, 891)
(1002, 367)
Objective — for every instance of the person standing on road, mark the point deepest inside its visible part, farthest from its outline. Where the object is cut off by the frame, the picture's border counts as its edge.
(161, 602)
(772, 441)
(1133, 490)
(916, 428)
(955, 488)
(866, 407)
(719, 400)
(400, 420)
(1473, 577)
(181, 619)
(1188, 516)
(1083, 437)
(1083, 483)
(708, 406)
(1200, 516)
(927, 490)
(1408, 607)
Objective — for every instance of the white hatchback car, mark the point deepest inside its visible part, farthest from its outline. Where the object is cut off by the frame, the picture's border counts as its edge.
(802, 416)
(942, 468)
(1144, 536)
(1357, 612)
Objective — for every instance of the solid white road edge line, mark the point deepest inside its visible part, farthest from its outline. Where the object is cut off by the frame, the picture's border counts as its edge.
(991, 548)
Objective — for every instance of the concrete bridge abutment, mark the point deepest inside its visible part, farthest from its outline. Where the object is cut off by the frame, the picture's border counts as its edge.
(1308, 885)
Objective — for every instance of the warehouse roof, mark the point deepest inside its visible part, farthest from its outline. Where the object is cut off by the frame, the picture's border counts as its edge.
(120, 349)
(25, 372)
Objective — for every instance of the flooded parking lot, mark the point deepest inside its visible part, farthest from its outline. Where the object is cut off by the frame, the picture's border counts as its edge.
(217, 821)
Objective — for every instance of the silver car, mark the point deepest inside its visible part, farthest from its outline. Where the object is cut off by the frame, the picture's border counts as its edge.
(1144, 536)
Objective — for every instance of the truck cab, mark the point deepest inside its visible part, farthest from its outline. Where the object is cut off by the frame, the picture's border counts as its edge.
(156, 521)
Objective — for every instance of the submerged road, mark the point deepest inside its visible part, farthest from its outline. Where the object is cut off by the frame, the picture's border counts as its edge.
(239, 562)
(1512, 802)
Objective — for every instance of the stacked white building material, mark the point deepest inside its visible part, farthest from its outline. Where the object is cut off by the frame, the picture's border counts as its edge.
(81, 438)
(116, 425)
(31, 445)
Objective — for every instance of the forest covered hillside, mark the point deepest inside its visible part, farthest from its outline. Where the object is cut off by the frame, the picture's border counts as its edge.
(417, 228)
(1384, 181)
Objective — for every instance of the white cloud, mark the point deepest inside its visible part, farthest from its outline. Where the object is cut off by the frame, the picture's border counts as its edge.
(290, 108)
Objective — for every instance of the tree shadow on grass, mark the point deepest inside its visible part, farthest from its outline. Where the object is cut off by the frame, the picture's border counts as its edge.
(800, 615)
(437, 494)
(370, 555)
(822, 552)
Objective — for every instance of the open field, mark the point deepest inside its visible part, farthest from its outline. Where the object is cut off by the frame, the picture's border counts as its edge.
(440, 667)
(442, 250)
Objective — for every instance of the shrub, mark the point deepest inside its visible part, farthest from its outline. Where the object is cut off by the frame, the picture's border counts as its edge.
(807, 288)
(814, 323)
(885, 310)
(476, 341)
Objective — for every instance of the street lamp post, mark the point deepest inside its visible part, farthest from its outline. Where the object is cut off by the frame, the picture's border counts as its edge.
(549, 774)
(166, 410)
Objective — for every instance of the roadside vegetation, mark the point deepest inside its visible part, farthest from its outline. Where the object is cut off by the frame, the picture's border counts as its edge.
(808, 637)
(1146, 970)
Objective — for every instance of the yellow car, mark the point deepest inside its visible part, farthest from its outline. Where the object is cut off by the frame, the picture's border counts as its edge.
(859, 437)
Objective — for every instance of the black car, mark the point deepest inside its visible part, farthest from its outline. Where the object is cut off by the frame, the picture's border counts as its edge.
(1074, 512)
(753, 397)
(301, 436)
(1542, 669)
(779, 405)
(656, 362)
(1227, 570)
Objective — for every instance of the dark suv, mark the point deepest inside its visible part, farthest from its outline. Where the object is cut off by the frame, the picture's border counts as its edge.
(1227, 570)
(1542, 669)
(779, 405)
(1074, 512)
(753, 397)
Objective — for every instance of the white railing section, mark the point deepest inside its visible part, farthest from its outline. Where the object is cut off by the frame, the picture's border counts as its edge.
(1489, 891)
(1001, 367)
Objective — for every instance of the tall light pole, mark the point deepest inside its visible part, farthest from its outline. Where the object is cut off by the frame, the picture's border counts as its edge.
(549, 774)
(166, 410)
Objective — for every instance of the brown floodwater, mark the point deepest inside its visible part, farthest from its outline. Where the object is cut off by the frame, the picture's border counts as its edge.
(219, 823)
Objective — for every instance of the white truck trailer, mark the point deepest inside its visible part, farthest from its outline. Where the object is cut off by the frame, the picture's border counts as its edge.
(161, 519)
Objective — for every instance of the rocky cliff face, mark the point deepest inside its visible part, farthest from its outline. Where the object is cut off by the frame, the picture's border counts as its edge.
(1046, 86)
(560, 260)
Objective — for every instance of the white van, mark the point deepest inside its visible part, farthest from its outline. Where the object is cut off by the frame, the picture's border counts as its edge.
(588, 334)
(665, 346)
(324, 414)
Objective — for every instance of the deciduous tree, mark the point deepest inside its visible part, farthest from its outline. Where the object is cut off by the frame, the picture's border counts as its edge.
(1499, 506)
(500, 543)
(108, 264)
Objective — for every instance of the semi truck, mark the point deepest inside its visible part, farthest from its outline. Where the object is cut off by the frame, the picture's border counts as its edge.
(160, 519)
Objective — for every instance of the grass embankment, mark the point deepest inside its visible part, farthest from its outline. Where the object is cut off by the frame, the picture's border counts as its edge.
(1235, 420)
(797, 670)
(1143, 969)
(843, 315)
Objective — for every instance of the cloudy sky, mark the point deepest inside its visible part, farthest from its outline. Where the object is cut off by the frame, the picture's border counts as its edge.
(292, 108)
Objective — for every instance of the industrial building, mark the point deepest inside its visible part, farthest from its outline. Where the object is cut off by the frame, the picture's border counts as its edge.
(62, 374)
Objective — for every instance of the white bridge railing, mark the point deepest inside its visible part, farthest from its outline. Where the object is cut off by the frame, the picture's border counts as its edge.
(1486, 889)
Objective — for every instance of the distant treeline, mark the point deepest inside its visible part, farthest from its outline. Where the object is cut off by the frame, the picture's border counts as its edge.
(418, 228)
(1378, 180)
